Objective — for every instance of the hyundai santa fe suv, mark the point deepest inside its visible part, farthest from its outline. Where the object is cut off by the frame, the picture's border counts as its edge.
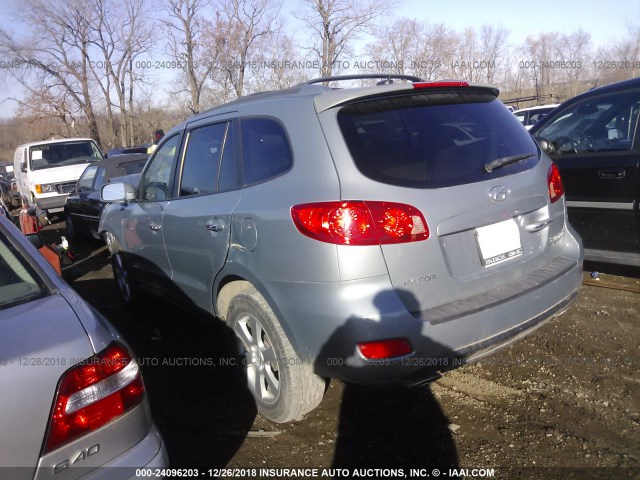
(376, 234)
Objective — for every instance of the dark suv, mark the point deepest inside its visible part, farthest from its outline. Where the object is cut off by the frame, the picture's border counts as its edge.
(594, 140)
(376, 234)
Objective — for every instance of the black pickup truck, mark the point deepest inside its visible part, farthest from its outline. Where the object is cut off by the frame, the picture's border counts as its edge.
(594, 140)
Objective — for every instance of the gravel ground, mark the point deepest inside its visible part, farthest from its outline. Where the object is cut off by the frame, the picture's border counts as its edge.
(562, 403)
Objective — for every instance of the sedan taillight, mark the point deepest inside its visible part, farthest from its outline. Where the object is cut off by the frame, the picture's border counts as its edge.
(93, 393)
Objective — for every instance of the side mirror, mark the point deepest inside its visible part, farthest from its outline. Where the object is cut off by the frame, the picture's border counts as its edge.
(546, 146)
(23, 167)
(117, 192)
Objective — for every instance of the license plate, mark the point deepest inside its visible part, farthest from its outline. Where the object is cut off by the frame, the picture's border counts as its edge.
(499, 242)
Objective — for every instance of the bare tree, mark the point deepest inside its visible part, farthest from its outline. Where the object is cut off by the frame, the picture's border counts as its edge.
(248, 21)
(120, 34)
(60, 51)
(410, 47)
(336, 23)
(45, 104)
(493, 52)
(574, 58)
(539, 56)
(279, 64)
(393, 51)
(479, 54)
(620, 60)
(185, 44)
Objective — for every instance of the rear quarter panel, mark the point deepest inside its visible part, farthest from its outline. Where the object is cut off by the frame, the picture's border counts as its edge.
(39, 342)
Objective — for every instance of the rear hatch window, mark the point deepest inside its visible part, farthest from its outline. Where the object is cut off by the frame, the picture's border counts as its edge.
(435, 139)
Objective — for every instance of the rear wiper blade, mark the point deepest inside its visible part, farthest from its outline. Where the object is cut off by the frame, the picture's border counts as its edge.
(501, 162)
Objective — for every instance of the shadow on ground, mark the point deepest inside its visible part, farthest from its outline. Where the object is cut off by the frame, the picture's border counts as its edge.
(199, 401)
(205, 412)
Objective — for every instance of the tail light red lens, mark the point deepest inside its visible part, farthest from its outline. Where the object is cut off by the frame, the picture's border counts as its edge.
(395, 347)
(93, 393)
(360, 222)
(439, 84)
(554, 182)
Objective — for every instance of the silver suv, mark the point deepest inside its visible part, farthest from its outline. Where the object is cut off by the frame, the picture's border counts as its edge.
(376, 234)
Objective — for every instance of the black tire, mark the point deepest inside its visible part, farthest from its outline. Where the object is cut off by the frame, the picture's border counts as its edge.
(127, 291)
(284, 387)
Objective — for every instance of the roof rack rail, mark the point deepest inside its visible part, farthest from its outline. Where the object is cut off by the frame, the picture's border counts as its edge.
(387, 78)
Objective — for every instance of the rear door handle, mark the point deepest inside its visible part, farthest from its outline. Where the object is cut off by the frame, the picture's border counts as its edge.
(611, 174)
(154, 227)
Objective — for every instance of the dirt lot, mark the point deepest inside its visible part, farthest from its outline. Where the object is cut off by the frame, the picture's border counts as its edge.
(555, 405)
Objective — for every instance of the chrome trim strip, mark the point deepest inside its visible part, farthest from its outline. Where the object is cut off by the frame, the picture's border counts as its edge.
(603, 205)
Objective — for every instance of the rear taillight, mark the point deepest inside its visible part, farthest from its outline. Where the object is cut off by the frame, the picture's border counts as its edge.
(360, 222)
(93, 393)
(554, 183)
(395, 347)
(439, 84)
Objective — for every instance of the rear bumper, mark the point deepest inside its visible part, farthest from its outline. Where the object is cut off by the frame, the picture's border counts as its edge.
(326, 322)
(109, 445)
(475, 352)
(149, 455)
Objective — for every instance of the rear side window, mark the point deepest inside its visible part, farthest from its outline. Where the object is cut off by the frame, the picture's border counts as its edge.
(432, 141)
(265, 149)
(202, 159)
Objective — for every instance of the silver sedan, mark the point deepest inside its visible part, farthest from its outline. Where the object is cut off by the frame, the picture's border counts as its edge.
(72, 398)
